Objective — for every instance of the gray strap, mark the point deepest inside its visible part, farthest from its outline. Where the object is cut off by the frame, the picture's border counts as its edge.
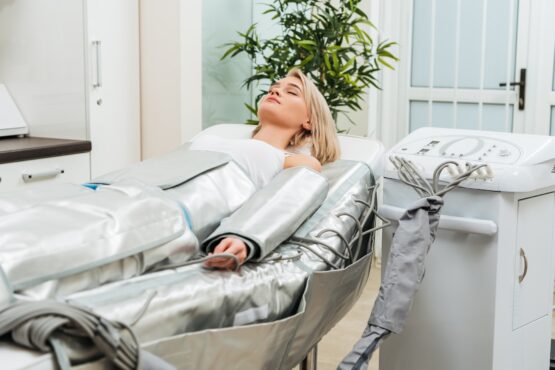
(34, 325)
(59, 353)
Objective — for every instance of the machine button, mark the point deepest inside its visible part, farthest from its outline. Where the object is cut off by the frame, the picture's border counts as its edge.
(504, 153)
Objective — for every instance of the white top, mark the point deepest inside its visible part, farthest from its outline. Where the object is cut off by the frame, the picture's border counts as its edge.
(260, 160)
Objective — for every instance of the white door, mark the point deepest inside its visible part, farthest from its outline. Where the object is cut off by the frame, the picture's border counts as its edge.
(113, 83)
(455, 56)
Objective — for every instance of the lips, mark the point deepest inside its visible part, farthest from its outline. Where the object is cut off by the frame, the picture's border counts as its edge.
(271, 98)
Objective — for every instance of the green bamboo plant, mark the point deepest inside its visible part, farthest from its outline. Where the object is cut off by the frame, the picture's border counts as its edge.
(328, 40)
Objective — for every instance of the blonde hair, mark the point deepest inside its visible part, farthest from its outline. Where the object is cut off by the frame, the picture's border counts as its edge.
(322, 136)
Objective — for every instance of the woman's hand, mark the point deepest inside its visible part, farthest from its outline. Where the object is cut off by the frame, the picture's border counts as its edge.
(234, 246)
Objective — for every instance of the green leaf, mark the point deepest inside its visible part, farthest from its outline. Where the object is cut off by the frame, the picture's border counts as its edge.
(369, 23)
(335, 61)
(327, 61)
(231, 50)
(349, 63)
(387, 54)
(382, 61)
(305, 42)
(251, 109)
(306, 60)
(361, 13)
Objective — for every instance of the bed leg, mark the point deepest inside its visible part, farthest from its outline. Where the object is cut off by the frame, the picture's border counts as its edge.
(310, 362)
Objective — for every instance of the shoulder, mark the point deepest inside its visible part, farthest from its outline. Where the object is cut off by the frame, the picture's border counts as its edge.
(296, 160)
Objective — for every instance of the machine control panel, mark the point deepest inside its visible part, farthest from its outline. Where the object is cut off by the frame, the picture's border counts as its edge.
(513, 162)
(469, 148)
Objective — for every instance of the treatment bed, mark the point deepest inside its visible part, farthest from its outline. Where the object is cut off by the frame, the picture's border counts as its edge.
(267, 315)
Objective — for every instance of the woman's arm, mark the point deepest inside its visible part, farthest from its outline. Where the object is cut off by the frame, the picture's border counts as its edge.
(273, 213)
(297, 160)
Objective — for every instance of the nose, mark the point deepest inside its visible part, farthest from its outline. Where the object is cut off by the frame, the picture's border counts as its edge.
(275, 90)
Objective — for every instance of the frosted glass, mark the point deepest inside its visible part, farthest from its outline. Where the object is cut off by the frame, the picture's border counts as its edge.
(442, 114)
(493, 117)
(421, 43)
(552, 131)
(223, 96)
(467, 116)
(497, 57)
(470, 50)
(418, 115)
(445, 42)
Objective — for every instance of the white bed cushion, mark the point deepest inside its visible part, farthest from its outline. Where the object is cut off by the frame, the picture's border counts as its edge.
(352, 147)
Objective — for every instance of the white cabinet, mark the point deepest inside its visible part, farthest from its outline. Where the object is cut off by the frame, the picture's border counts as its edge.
(52, 52)
(483, 305)
(533, 256)
(531, 346)
(69, 168)
(113, 83)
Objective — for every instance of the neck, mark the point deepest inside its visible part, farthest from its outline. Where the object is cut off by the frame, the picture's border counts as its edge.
(276, 136)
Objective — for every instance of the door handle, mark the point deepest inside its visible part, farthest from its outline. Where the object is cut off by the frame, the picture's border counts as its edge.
(98, 59)
(523, 275)
(521, 88)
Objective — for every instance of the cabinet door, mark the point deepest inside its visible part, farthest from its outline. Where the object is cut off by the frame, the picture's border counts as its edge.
(113, 83)
(533, 260)
(532, 346)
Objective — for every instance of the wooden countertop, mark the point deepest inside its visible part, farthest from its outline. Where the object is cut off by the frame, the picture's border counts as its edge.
(16, 149)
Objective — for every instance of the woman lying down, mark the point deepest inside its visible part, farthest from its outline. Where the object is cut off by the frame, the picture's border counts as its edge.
(71, 238)
(293, 115)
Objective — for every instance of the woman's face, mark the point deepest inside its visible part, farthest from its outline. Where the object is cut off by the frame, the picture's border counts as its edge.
(284, 105)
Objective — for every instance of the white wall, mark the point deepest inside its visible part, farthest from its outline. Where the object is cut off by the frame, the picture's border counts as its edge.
(171, 70)
(42, 64)
(160, 76)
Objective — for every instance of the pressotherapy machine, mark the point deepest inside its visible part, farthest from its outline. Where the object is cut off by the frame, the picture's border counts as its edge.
(485, 301)
(125, 248)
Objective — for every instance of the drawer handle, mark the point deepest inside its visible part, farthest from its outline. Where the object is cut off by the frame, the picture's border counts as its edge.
(42, 175)
(523, 255)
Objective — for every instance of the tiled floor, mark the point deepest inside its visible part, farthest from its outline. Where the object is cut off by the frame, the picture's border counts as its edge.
(339, 341)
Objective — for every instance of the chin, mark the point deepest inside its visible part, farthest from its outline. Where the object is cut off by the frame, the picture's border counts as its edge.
(270, 112)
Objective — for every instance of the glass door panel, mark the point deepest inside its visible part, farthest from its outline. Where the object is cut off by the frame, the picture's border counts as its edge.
(461, 52)
(223, 96)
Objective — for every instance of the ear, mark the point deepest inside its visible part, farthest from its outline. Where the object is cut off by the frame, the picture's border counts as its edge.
(307, 126)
